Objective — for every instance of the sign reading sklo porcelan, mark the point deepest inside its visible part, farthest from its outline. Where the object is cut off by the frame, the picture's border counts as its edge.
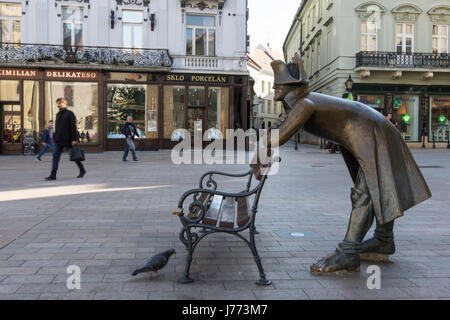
(77, 75)
(204, 78)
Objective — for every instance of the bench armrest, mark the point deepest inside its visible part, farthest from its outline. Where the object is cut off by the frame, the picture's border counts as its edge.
(212, 183)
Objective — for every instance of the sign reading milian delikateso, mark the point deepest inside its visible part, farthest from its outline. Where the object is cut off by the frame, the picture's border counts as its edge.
(71, 75)
(19, 73)
(205, 78)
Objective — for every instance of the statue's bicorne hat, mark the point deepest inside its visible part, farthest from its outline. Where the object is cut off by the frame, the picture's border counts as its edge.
(289, 73)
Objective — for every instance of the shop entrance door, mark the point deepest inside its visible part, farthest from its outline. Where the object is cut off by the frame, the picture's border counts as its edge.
(196, 119)
(11, 126)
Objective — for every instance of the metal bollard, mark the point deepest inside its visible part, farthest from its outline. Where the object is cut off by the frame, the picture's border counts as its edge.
(434, 138)
(447, 134)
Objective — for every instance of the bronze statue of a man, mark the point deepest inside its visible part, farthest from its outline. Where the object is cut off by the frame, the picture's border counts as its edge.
(387, 179)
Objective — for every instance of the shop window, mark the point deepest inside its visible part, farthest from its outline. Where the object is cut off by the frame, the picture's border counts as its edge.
(405, 38)
(84, 106)
(72, 22)
(31, 109)
(201, 35)
(125, 100)
(406, 115)
(439, 118)
(440, 38)
(174, 111)
(368, 36)
(196, 96)
(218, 110)
(132, 22)
(10, 17)
(152, 112)
(9, 90)
(374, 101)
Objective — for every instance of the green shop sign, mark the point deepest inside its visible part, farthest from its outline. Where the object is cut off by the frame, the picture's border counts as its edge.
(442, 119)
(397, 103)
(406, 117)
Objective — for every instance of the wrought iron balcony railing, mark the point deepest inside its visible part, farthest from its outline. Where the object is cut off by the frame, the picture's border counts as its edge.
(377, 59)
(41, 53)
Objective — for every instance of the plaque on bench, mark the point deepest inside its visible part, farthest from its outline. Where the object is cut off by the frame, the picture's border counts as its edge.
(212, 214)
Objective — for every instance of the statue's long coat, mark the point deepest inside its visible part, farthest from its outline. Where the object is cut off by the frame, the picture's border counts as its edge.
(368, 141)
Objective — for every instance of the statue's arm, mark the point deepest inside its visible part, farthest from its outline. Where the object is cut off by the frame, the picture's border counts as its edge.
(300, 113)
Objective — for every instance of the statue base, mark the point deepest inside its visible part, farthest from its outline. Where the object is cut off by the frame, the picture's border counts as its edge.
(375, 257)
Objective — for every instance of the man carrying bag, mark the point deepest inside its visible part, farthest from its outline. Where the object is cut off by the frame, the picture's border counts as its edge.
(66, 136)
(130, 131)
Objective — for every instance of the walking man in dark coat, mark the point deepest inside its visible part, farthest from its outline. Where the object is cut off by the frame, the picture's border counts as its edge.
(130, 132)
(47, 140)
(387, 179)
(66, 136)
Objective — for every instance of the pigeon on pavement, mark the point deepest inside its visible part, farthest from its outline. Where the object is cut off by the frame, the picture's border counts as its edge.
(155, 263)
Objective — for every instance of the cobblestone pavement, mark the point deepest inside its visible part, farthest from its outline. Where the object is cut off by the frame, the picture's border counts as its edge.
(120, 214)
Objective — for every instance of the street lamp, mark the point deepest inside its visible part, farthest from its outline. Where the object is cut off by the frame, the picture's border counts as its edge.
(348, 88)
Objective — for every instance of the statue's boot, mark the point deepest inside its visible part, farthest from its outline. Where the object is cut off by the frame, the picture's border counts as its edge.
(347, 256)
(382, 244)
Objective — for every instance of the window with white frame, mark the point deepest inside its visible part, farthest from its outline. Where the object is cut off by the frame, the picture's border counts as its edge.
(132, 25)
(72, 23)
(314, 15)
(405, 38)
(10, 17)
(440, 38)
(368, 36)
(200, 35)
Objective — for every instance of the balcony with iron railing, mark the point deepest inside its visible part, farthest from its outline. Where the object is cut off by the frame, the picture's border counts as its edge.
(207, 63)
(393, 60)
(19, 54)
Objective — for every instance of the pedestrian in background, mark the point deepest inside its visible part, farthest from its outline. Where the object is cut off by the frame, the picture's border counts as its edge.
(66, 136)
(390, 118)
(47, 140)
(130, 131)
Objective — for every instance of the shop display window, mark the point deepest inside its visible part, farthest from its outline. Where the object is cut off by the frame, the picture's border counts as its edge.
(82, 100)
(439, 118)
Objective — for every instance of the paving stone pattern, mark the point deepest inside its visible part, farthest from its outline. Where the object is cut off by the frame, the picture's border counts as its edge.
(120, 214)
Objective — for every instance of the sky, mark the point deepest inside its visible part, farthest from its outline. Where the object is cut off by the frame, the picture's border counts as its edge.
(269, 21)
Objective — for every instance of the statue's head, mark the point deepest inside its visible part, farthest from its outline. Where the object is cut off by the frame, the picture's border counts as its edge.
(288, 76)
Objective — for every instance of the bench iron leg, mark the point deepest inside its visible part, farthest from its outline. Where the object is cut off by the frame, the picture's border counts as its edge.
(190, 249)
(262, 276)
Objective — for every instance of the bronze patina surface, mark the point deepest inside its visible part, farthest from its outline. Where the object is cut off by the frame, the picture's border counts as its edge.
(387, 179)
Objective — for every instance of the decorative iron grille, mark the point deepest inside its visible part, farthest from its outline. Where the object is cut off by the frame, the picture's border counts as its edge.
(395, 60)
(35, 53)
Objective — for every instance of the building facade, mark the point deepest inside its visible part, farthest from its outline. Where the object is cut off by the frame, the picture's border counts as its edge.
(265, 110)
(170, 64)
(396, 52)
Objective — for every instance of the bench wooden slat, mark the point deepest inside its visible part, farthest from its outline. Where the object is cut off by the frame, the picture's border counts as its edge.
(228, 209)
(242, 211)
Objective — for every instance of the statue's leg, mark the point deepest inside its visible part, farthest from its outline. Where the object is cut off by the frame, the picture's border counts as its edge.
(346, 256)
(381, 245)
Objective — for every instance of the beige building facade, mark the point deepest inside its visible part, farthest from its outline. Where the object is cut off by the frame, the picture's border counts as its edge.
(396, 52)
(265, 109)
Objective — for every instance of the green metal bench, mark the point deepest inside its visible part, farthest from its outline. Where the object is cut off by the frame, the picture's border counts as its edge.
(214, 211)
